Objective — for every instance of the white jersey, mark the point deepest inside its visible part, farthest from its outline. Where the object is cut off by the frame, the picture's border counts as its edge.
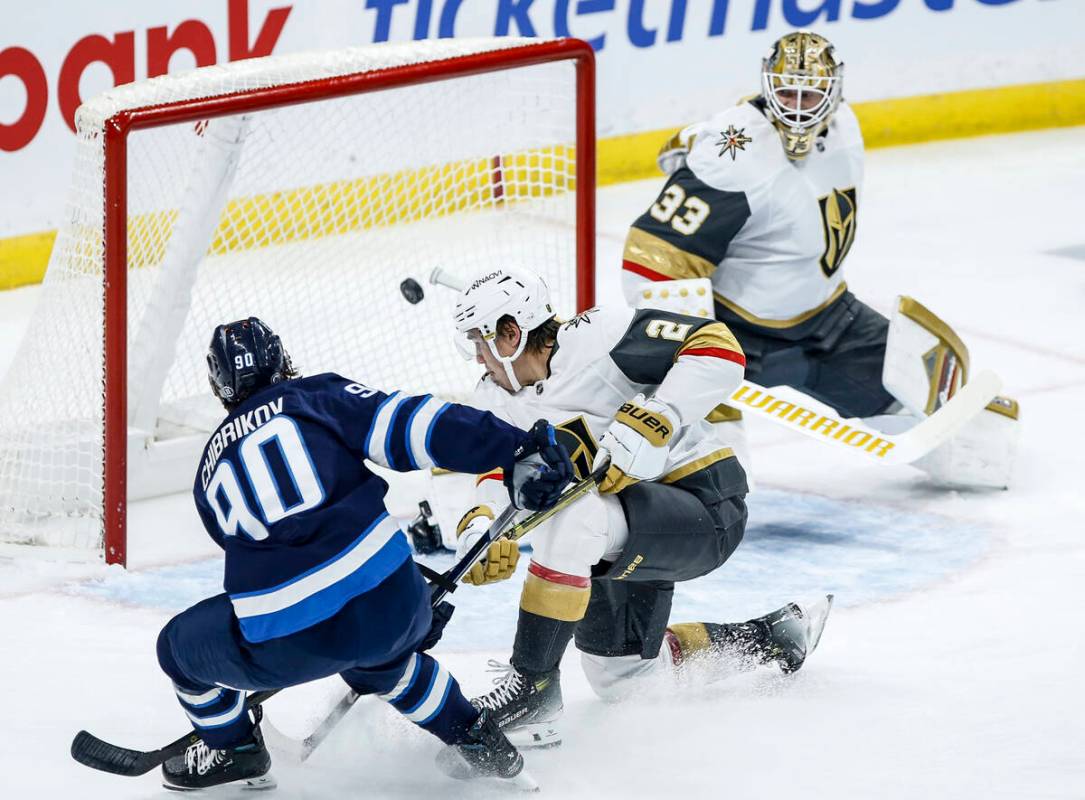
(770, 233)
(605, 357)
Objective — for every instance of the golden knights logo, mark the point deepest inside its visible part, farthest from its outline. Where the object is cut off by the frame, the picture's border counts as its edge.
(732, 140)
(838, 212)
(583, 317)
(575, 436)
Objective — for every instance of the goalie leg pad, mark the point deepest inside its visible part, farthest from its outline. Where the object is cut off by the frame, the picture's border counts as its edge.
(925, 364)
(925, 360)
(982, 454)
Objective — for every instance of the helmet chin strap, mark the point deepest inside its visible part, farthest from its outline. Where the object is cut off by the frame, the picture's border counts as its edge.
(507, 361)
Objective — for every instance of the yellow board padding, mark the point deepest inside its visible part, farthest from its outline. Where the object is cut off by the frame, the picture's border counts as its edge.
(23, 258)
(327, 209)
(977, 112)
(395, 198)
(885, 123)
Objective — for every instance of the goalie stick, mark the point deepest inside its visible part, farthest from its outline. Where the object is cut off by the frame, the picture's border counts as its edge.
(796, 411)
(93, 752)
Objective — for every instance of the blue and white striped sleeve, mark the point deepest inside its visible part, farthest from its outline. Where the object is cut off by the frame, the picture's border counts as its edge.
(424, 432)
(402, 431)
(408, 432)
(463, 439)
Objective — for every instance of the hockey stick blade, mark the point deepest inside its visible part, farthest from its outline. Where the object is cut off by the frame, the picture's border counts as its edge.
(91, 751)
(969, 401)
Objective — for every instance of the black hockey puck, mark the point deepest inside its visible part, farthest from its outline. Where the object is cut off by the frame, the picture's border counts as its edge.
(412, 291)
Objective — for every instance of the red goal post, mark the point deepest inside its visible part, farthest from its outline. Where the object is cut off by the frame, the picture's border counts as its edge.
(493, 56)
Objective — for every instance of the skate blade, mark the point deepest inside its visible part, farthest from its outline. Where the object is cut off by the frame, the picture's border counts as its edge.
(535, 736)
(524, 782)
(261, 784)
(817, 614)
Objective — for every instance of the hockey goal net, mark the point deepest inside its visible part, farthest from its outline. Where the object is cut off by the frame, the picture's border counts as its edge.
(304, 190)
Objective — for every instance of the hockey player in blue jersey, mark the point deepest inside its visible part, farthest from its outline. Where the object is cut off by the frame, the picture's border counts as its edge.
(318, 578)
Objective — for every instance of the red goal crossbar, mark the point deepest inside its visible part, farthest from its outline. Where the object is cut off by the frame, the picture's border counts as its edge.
(120, 125)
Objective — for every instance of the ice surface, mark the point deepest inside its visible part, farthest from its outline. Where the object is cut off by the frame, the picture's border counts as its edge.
(950, 667)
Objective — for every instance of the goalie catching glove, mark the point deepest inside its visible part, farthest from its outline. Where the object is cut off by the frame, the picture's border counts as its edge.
(638, 443)
(673, 153)
(499, 561)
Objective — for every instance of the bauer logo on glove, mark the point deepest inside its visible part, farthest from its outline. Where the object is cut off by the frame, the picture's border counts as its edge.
(638, 442)
(656, 429)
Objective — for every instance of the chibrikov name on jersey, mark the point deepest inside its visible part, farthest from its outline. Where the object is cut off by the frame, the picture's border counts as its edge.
(233, 430)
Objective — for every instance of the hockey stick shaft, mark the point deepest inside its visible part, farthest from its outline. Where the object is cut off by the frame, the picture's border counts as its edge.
(498, 529)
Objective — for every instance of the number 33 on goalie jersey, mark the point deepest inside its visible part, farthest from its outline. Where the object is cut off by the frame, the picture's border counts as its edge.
(282, 487)
(771, 234)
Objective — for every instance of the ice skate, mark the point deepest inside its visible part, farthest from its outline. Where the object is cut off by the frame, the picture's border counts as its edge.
(526, 708)
(202, 767)
(485, 752)
(793, 632)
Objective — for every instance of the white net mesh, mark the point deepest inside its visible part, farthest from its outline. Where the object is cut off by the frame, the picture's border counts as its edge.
(308, 216)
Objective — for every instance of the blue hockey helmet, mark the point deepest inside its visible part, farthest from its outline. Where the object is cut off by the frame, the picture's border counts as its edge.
(244, 357)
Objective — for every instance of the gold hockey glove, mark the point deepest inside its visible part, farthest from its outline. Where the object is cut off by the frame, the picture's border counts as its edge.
(638, 442)
(501, 557)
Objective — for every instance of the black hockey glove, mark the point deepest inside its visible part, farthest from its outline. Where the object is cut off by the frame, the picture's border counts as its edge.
(441, 615)
(541, 470)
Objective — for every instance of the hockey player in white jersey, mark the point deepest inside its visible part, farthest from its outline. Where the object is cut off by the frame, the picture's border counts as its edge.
(636, 385)
(763, 201)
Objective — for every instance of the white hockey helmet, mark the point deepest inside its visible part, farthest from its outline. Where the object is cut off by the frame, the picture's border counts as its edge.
(493, 295)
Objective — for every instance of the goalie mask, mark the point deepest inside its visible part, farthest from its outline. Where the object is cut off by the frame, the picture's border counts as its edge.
(487, 299)
(244, 357)
(801, 80)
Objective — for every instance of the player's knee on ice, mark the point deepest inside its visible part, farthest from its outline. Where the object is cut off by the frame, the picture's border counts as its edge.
(615, 678)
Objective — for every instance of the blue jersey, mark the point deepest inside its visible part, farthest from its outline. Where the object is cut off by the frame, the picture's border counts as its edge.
(283, 489)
